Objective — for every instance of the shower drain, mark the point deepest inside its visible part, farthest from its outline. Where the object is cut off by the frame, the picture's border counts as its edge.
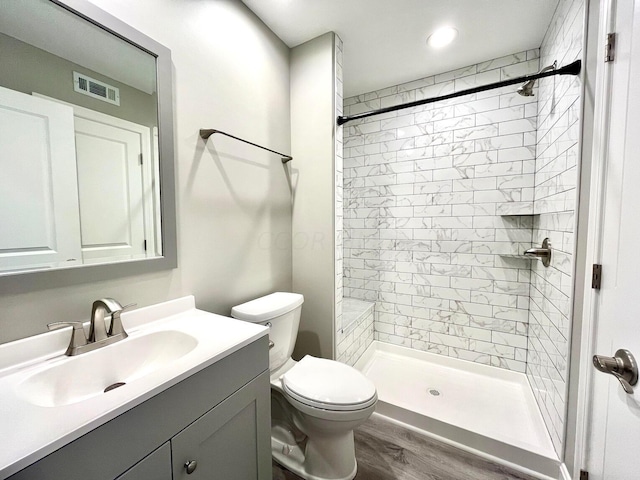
(434, 392)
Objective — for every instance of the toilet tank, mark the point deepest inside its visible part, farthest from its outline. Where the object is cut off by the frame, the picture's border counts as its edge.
(279, 311)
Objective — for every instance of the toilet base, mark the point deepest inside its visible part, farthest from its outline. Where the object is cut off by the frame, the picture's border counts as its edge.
(314, 448)
(293, 458)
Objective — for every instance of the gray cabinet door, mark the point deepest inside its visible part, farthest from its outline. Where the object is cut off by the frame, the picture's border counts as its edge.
(231, 441)
(155, 466)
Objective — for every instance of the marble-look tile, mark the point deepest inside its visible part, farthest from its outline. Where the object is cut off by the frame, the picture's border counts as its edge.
(502, 61)
(425, 190)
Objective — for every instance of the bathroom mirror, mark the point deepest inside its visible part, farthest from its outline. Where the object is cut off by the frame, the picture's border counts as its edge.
(86, 141)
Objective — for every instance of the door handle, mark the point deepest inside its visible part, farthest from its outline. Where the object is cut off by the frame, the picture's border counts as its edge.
(623, 366)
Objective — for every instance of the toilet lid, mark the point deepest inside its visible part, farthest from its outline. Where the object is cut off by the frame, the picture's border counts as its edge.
(328, 384)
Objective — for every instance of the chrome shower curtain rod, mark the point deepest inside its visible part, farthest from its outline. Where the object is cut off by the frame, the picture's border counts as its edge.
(205, 133)
(571, 69)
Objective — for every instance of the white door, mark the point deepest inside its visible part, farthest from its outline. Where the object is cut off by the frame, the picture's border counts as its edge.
(110, 192)
(614, 437)
(116, 187)
(39, 225)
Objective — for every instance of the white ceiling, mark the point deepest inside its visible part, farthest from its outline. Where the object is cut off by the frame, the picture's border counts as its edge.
(385, 40)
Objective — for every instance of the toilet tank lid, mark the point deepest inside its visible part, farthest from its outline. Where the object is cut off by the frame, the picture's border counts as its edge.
(267, 307)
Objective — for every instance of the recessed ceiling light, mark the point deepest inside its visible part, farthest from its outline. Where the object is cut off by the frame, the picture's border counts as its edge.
(441, 37)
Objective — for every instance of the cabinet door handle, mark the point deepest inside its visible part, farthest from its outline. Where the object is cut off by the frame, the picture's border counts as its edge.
(190, 466)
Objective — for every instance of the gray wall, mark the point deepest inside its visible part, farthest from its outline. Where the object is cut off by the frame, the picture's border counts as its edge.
(28, 69)
(233, 201)
(313, 176)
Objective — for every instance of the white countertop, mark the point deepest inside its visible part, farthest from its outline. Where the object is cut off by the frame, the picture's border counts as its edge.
(29, 432)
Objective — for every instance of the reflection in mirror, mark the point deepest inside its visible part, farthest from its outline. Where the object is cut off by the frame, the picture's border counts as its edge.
(79, 150)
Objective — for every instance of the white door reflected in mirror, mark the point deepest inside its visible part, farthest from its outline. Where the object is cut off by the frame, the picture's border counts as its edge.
(39, 223)
(117, 169)
(107, 181)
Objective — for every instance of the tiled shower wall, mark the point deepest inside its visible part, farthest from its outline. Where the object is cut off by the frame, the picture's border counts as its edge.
(555, 200)
(338, 190)
(357, 335)
(354, 333)
(430, 202)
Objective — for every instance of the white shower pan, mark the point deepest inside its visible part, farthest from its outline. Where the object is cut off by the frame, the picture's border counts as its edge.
(487, 410)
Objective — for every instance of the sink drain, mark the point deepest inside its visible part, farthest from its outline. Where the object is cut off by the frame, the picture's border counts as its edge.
(114, 386)
(434, 392)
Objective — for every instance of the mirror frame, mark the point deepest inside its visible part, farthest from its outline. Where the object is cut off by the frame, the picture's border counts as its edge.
(164, 85)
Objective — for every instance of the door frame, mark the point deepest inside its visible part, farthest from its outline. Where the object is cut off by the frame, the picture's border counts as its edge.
(593, 172)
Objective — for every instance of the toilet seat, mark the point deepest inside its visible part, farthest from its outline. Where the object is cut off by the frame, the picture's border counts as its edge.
(328, 385)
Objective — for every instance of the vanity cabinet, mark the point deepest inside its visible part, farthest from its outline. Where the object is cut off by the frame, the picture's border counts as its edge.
(156, 466)
(221, 442)
(219, 417)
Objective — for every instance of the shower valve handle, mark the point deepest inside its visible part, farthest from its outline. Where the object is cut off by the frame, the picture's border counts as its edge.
(623, 366)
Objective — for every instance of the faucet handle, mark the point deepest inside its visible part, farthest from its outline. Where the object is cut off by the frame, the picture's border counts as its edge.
(78, 337)
(116, 327)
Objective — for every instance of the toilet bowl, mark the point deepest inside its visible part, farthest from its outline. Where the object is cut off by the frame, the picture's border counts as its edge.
(315, 403)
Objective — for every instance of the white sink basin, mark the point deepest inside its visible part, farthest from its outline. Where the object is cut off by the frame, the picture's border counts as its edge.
(78, 378)
(49, 399)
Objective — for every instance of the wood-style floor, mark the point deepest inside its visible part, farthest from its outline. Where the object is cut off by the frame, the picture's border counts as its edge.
(386, 451)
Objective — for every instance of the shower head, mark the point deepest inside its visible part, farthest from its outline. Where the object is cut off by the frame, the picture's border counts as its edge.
(526, 90)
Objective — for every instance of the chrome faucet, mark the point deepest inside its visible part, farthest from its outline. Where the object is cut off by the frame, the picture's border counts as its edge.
(98, 334)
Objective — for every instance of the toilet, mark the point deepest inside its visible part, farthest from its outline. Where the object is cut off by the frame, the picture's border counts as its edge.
(315, 403)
